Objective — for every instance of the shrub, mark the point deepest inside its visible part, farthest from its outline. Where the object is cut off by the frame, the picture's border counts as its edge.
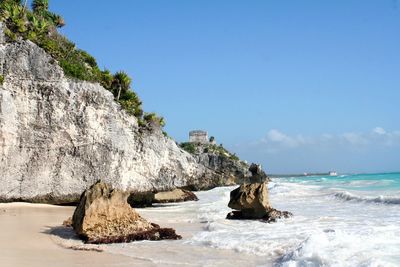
(154, 119)
(40, 6)
(131, 103)
(75, 69)
(1, 79)
(90, 60)
(14, 16)
(106, 78)
(234, 157)
(188, 147)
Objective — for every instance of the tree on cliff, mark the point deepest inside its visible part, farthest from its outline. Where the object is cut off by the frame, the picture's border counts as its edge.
(122, 83)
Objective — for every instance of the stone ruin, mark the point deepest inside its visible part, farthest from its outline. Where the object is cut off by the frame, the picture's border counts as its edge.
(198, 136)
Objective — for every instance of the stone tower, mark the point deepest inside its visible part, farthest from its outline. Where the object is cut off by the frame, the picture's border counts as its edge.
(198, 136)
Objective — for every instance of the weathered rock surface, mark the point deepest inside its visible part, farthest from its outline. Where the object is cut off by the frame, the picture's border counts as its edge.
(251, 201)
(257, 174)
(229, 171)
(272, 215)
(176, 195)
(104, 216)
(146, 199)
(58, 136)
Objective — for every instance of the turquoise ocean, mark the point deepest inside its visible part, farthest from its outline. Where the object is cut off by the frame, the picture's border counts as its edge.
(362, 182)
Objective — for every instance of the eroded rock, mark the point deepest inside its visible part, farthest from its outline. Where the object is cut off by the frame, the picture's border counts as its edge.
(257, 174)
(104, 216)
(251, 201)
(176, 195)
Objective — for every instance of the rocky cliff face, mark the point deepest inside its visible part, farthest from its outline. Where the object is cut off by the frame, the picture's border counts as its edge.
(58, 136)
(231, 171)
(227, 168)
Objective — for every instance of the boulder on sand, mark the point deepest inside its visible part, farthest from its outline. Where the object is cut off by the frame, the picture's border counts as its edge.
(104, 216)
(251, 201)
(176, 195)
(146, 199)
(141, 199)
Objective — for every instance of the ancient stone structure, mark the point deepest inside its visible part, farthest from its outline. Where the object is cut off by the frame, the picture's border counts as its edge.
(198, 136)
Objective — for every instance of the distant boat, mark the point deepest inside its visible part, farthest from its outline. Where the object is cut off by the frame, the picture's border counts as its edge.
(332, 173)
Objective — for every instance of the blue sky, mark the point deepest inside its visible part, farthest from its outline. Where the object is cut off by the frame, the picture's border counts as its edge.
(295, 85)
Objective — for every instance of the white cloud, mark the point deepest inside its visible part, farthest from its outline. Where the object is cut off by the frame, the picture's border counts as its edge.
(379, 130)
(275, 140)
(355, 138)
(327, 136)
(277, 137)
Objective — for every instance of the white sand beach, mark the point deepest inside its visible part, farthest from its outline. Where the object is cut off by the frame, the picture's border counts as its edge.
(33, 235)
(25, 239)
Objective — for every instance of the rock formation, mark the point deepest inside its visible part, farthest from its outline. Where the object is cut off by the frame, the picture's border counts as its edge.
(232, 172)
(58, 136)
(146, 199)
(141, 199)
(104, 216)
(229, 169)
(176, 195)
(257, 174)
(251, 201)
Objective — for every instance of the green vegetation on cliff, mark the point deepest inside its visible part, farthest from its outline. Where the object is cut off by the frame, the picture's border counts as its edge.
(198, 148)
(39, 25)
(189, 147)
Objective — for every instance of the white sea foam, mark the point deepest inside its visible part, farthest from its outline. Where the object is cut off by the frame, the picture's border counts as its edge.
(329, 227)
(337, 248)
(323, 232)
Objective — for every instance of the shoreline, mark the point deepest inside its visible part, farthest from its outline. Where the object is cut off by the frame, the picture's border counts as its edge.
(33, 235)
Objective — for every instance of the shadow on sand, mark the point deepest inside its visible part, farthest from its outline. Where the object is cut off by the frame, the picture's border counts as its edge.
(67, 238)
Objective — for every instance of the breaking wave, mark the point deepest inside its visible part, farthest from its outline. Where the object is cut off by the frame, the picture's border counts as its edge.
(379, 200)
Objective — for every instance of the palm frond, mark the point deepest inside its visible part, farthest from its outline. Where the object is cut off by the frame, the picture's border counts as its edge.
(39, 6)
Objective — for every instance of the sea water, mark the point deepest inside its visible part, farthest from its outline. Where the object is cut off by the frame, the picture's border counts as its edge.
(347, 220)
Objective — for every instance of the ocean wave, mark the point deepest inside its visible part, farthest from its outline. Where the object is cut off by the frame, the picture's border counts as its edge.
(333, 248)
(379, 200)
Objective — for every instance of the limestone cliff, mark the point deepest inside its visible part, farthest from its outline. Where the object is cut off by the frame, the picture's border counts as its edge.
(232, 171)
(58, 136)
